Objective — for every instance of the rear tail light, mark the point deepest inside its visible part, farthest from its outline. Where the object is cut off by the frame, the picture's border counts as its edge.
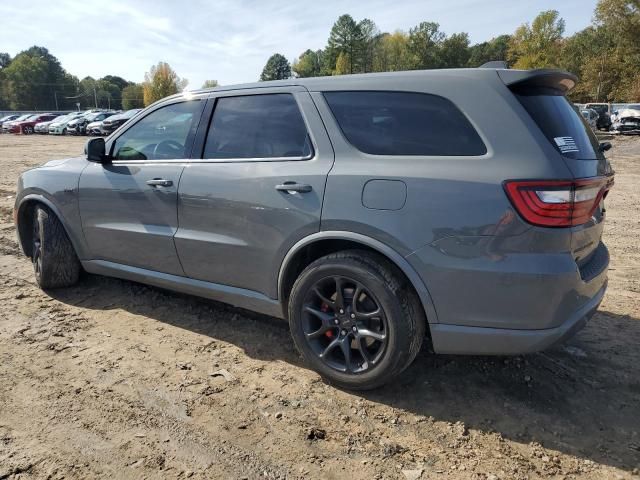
(557, 203)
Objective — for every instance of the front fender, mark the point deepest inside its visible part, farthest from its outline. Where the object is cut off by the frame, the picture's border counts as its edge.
(381, 248)
(55, 186)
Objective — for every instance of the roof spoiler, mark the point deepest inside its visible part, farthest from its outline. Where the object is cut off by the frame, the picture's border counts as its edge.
(543, 78)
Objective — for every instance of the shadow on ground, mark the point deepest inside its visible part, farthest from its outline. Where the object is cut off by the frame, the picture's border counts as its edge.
(582, 398)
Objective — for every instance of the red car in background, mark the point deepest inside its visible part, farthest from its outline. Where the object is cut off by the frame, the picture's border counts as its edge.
(26, 126)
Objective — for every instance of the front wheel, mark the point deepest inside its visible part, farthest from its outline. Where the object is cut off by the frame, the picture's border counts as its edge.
(355, 320)
(55, 262)
(28, 130)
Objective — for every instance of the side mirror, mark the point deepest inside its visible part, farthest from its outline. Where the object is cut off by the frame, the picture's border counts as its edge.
(95, 150)
(605, 146)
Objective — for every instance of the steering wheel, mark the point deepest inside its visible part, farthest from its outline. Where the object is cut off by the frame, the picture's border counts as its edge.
(170, 148)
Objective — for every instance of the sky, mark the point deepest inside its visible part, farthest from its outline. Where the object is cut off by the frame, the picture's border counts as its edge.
(231, 40)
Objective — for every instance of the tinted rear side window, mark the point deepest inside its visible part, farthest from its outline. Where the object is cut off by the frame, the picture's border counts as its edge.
(404, 123)
(561, 124)
(257, 126)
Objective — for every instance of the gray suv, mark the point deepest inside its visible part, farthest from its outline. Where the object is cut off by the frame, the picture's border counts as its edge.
(370, 211)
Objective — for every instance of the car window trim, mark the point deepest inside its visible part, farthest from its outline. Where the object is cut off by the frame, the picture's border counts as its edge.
(210, 111)
(191, 137)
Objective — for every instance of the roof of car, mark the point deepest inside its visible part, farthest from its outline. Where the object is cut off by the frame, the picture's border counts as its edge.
(540, 77)
(313, 83)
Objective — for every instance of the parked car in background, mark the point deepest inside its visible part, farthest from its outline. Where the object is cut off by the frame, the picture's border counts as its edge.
(94, 128)
(78, 126)
(43, 127)
(109, 125)
(604, 114)
(591, 116)
(60, 127)
(627, 120)
(366, 210)
(26, 126)
(6, 126)
(8, 118)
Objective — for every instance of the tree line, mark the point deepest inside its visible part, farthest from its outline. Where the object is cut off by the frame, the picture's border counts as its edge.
(605, 55)
(35, 80)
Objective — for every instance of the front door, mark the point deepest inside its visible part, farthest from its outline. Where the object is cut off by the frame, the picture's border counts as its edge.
(257, 189)
(129, 206)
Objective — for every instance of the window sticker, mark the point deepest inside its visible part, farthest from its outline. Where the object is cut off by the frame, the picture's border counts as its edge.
(566, 144)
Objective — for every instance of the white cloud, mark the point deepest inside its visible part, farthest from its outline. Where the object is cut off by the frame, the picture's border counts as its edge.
(230, 40)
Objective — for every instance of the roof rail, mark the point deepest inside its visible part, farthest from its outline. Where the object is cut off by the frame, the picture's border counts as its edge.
(495, 64)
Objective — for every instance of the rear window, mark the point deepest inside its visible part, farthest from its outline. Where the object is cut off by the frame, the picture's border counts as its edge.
(404, 123)
(257, 126)
(560, 123)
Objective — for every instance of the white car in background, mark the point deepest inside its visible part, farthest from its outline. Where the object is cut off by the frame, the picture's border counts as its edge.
(60, 127)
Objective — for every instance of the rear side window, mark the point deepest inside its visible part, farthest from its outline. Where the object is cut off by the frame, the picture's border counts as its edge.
(257, 126)
(404, 123)
(561, 124)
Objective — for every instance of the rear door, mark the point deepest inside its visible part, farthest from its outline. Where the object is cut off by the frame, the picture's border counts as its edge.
(256, 188)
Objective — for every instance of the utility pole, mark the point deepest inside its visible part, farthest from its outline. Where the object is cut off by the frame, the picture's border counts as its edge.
(95, 96)
(55, 94)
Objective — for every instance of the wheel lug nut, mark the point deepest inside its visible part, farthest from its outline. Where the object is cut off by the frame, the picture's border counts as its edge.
(341, 311)
(336, 321)
(343, 332)
(354, 328)
(353, 315)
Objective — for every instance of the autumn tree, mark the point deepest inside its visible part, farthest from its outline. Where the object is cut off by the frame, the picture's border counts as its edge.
(309, 64)
(538, 45)
(391, 53)
(161, 81)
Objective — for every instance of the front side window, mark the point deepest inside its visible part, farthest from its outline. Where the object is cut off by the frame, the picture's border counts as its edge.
(257, 126)
(403, 123)
(164, 134)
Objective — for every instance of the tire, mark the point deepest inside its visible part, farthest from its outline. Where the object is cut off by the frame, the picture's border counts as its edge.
(55, 262)
(380, 332)
(28, 130)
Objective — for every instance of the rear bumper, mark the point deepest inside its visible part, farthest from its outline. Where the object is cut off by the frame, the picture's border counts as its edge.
(464, 340)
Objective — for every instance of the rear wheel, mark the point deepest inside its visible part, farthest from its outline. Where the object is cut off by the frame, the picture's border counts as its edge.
(27, 130)
(54, 260)
(355, 320)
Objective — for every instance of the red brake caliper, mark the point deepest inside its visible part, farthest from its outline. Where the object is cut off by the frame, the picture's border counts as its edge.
(325, 308)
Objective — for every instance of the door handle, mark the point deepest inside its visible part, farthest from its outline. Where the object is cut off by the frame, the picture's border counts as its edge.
(159, 182)
(291, 187)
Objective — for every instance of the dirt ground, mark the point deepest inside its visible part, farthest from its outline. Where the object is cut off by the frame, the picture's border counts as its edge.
(112, 379)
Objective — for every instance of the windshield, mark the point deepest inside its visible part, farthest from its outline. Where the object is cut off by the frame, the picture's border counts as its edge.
(562, 125)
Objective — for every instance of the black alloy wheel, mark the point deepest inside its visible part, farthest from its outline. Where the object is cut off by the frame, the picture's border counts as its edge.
(345, 325)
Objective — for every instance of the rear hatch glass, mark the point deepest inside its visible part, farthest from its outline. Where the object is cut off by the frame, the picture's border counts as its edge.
(561, 124)
(571, 135)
